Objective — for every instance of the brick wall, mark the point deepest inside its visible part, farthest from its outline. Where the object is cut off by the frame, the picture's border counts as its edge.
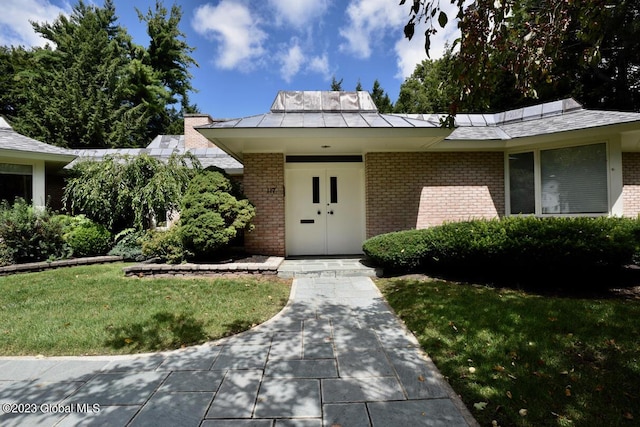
(264, 187)
(418, 190)
(193, 138)
(631, 184)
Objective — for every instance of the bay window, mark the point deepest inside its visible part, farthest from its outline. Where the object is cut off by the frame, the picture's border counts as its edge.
(568, 180)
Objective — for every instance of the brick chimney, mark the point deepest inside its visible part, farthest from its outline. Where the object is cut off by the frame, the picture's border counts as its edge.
(193, 138)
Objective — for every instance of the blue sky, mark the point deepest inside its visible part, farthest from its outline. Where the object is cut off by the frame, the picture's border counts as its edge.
(247, 50)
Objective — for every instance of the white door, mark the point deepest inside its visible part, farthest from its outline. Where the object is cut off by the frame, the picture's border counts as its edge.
(324, 209)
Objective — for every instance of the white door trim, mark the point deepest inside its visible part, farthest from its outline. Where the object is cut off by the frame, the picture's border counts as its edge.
(308, 239)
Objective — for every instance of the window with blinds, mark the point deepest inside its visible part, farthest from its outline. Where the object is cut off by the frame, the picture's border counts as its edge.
(571, 180)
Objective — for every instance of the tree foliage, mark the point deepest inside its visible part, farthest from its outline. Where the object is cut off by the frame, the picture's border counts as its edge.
(91, 86)
(129, 192)
(212, 214)
(543, 48)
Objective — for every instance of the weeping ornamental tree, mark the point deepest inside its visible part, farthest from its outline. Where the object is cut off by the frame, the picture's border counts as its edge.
(129, 192)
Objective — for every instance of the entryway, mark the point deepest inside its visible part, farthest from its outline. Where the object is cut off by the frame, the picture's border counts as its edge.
(324, 208)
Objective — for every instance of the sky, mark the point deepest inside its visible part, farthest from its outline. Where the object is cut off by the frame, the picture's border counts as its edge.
(248, 50)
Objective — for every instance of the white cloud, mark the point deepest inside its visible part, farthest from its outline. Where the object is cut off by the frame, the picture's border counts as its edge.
(235, 29)
(292, 61)
(15, 28)
(372, 21)
(299, 13)
(320, 65)
(369, 21)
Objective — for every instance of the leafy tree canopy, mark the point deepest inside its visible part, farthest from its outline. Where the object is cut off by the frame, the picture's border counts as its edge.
(91, 86)
(542, 48)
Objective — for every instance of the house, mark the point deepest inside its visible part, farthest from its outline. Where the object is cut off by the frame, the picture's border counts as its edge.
(30, 169)
(326, 170)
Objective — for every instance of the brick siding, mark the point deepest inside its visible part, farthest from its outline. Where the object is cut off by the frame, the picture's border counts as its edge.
(193, 138)
(418, 190)
(264, 187)
(631, 184)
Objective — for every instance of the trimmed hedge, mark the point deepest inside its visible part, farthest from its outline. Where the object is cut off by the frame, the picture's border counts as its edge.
(492, 249)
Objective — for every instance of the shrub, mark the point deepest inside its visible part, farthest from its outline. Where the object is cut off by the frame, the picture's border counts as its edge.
(83, 236)
(6, 254)
(29, 234)
(533, 248)
(128, 245)
(164, 244)
(212, 215)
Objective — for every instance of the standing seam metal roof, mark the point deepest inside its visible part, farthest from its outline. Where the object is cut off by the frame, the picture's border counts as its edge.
(316, 109)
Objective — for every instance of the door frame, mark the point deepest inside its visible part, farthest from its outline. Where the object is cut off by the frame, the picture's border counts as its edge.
(310, 166)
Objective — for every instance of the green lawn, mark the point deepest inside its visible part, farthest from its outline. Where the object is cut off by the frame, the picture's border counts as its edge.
(522, 359)
(96, 310)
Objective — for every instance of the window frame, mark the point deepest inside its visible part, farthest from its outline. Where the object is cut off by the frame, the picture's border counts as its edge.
(537, 179)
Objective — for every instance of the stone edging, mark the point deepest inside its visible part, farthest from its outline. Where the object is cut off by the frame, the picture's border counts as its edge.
(46, 265)
(270, 266)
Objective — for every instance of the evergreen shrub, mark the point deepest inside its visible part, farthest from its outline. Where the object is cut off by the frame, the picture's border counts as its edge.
(213, 214)
(521, 246)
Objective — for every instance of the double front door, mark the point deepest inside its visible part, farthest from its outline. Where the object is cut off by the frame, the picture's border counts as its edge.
(324, 208)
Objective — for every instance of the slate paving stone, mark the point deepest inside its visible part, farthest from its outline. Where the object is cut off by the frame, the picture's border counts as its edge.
(350, 339)
(242, 357)
(190, 360)
(318, 350)
(364, 363)
(193, 381)
(108, 416)
(120, 388)
(144, 363)
(418, 376)
(436, 413)
(361, 389)
(18, 370)
(237, 423)
(37, 419)
(351, 415)
(36, 392)
(299, 423)
(321, 368)
(236, 396)
(173, 409)
(73, 370)
(286, 345)
(289, 398)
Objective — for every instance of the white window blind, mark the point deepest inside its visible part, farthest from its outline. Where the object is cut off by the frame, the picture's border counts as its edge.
(574, 180)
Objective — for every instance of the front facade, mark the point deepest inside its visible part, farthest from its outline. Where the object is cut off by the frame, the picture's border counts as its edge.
(326, 171)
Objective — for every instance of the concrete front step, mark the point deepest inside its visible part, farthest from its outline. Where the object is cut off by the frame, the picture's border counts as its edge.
(326, 267)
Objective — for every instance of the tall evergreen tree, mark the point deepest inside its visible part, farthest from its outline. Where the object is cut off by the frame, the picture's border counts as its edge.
(381, 99)
(97, 88)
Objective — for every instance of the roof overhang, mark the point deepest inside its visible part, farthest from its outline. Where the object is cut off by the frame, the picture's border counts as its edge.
(322, 141)
(31, 155)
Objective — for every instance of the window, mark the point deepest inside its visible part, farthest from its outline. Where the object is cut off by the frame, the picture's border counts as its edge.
(16, 181)
(571, 180)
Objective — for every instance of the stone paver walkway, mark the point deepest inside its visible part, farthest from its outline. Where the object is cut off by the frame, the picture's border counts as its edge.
(334, 356)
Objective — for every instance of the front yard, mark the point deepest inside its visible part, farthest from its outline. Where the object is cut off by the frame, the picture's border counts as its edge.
(521, 359)
(96, 310)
